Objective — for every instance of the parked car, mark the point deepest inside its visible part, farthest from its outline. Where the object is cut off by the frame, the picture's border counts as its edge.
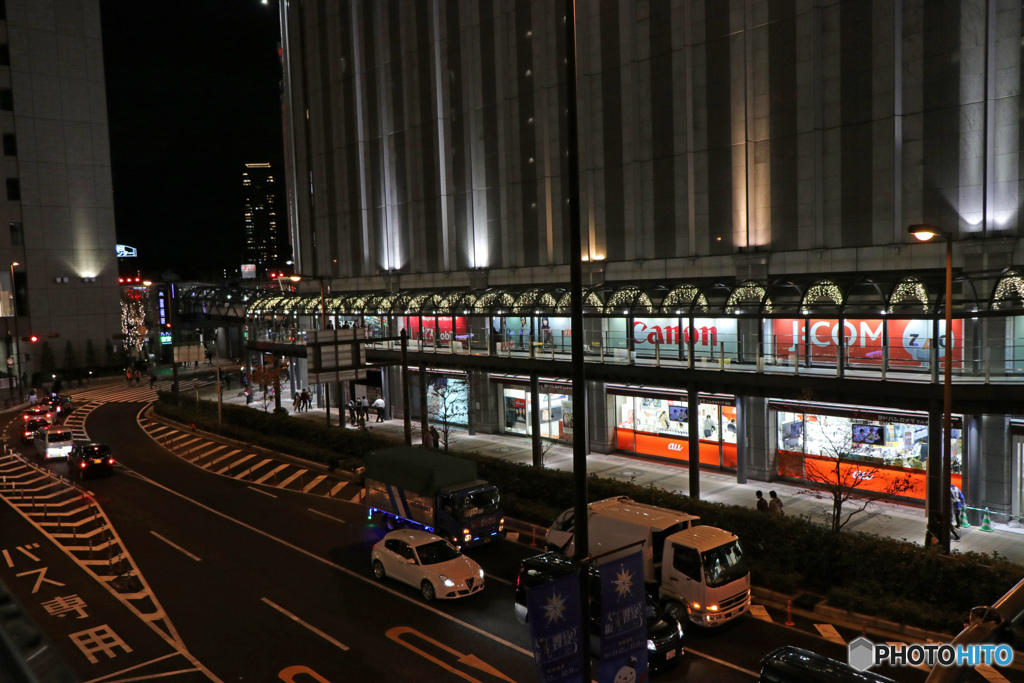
(664, 632)
(31, 426)
(427, 562)
(796, 665)
(90, 458)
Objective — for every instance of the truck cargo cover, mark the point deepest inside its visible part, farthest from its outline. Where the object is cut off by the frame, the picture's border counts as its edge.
(417, 469)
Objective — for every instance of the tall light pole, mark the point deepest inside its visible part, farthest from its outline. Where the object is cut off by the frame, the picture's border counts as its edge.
(924, 233)
(14, 341)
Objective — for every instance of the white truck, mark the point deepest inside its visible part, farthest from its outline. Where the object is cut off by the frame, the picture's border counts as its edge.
(696, 572)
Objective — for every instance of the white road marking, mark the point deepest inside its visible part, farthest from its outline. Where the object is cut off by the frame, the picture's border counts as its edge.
(271, 473)
(492, 577)
(760, 612)
(355, 575)
(313, 483)
(292, 478)
(312, 628)
(7, 556)
(246, 458)
(829, 633)
(716, 660)
(253, 488)
(324, 514)
(132, 668)
(176, 547)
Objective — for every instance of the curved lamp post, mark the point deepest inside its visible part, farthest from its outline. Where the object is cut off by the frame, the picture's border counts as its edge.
(925, 232)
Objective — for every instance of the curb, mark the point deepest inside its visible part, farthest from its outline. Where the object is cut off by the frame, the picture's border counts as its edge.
(151, 415)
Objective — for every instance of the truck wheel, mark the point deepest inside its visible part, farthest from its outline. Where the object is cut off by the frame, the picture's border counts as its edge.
(427, 589)
(378, 570)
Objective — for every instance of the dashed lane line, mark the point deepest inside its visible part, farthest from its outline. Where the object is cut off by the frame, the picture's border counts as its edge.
(716, 660)
(324, 514)
(265, 493)
(175, 546)
(312, 628)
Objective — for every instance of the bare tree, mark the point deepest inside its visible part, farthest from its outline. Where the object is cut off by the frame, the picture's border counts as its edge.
(844, 480)
(266, 379)
(448, 409)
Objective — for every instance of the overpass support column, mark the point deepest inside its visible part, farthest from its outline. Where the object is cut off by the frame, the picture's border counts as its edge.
(755, 445)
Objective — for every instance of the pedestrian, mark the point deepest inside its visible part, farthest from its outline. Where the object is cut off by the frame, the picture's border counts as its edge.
(33, 396)
(351, 411)
(297, 402)
(435, 437)
(762, 504)
(128, 376)
(304, 400)
(775, 505)
(248, 394)
(709, 426)
(227, 380)
(364, 408)
(379, 405)
(958, 504)
(152, 380)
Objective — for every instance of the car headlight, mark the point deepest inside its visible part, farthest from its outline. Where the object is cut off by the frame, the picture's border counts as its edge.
(712, 608)
(481, 572)
(467, 538)
(650, 645)
(446, 581)
(696, 605)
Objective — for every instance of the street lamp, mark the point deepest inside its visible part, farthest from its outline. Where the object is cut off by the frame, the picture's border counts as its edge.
(925, 232)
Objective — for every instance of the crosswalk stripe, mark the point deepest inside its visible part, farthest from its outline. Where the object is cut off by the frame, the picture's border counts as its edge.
(311, 485)
(358, 498)
(205, 454)
(271, 473)
(292, 478)
(236, 462)
(991, 674)
(829, 632)
(760, 612)
(337, 488)
(226, 455)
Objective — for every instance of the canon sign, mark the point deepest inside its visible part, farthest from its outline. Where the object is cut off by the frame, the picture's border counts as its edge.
(706, 332)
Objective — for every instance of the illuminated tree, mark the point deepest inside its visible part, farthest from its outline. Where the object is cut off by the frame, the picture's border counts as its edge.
(267, 379)
(132, 317)
(449, 409)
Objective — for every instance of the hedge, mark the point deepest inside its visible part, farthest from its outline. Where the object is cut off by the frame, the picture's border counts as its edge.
(330, 446)
(883, 577)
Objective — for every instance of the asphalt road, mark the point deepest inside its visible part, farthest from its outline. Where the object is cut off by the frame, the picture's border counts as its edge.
(263, 584)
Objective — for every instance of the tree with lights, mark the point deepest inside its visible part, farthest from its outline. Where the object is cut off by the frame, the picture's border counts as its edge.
(132, 317)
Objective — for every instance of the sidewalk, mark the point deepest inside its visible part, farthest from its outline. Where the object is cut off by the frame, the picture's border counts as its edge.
(895, 520)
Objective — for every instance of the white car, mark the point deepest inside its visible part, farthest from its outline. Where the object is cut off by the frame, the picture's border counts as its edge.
(427, 562)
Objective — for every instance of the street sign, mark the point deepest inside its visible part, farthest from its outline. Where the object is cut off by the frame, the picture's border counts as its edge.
(10, 361)
(335, 355)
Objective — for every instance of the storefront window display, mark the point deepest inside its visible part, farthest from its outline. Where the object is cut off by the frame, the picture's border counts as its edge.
(649, 425)
(893, 443)
(556, 417)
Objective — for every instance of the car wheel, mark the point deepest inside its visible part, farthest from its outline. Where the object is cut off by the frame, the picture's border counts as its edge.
(427, 589)
(378, 570)
(678, 611)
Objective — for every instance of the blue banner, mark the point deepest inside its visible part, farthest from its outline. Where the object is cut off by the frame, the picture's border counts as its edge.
(623, 622)
(556, 630)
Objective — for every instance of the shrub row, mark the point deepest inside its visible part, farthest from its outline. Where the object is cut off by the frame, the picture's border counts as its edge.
(333, 447)
(883, 577)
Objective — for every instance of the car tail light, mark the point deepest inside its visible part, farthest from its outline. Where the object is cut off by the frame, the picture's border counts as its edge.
(82, 464)
(110, 461)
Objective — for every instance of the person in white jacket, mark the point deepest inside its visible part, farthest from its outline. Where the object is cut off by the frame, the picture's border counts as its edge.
(379, 405)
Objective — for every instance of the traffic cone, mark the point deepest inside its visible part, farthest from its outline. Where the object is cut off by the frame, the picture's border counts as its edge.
(964, 522)
(986, 522)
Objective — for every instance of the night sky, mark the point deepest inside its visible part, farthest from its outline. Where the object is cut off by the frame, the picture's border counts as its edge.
(193, 94)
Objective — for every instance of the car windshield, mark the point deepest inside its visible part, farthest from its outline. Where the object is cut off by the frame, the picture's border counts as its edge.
(723, 564)
(436, 552)
(58, 436)
(480, 503)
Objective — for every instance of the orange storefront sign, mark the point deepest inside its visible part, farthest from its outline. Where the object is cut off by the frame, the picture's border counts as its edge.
(673, 448)
(876, 477)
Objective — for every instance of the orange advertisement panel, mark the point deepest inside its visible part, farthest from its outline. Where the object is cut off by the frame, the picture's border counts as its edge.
(875, 477)
(910, 341)
(729, 455)
(666, 447)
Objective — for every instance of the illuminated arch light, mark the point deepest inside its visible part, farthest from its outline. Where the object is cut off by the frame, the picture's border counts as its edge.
(748, 293)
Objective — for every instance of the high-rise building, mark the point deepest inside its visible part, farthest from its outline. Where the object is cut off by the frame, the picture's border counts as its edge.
(265, 241)
(56, 199)
(748, 173)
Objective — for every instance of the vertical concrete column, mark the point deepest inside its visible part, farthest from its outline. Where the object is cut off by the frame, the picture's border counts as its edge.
(483, 403)
(601, 419)
(933, 503)
(994, 471)
(972, 463)
(755, 451)
(538, 451)
(694, 439)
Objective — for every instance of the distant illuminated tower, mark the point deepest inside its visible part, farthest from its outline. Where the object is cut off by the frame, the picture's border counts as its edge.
(264, 243)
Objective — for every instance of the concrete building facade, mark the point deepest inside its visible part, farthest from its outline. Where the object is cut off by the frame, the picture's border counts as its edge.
(748, 161)
(57, 201)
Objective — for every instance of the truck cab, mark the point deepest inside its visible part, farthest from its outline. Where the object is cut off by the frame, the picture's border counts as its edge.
(697, 573)
(470, 514)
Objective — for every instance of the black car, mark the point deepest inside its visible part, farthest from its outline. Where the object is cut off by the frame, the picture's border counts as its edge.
(795, 665)
(28, 430)
(90, 458)
(664, 633)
